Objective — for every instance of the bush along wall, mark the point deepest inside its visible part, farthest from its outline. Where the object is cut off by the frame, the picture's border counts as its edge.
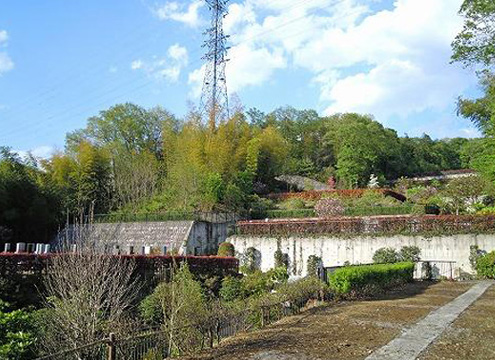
(485, 266)
(369, 280)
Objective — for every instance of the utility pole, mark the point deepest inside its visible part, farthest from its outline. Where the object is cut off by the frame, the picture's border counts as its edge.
(214, 98)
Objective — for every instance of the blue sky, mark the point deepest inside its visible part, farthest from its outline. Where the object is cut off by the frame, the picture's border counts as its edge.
(64, 61)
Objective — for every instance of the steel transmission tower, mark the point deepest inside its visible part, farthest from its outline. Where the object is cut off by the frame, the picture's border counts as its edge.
(214, 98)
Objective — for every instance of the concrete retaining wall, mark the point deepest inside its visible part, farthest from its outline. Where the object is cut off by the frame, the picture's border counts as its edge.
(336, 251)
(185, 237)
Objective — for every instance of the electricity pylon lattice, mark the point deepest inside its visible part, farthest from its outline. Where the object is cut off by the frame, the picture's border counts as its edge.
(214, 98)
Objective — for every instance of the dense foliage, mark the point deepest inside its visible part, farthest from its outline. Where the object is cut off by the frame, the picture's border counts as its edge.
(369, 279)
(129, 159)
(485, 265)
(16, 333)
(390, 255)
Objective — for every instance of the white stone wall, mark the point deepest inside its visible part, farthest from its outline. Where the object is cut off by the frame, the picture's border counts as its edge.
(335, 251)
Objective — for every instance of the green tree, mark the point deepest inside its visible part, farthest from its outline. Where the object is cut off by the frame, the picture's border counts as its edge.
(476, 42)
(29, 203)
(174, 305)
(362, 147)
(464, 191)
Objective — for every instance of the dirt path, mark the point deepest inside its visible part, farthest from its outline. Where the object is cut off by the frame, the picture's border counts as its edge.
(350, 330)
(471, 336)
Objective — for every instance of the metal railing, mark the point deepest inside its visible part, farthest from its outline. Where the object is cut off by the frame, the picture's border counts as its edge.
(213, 217)
(153, 345)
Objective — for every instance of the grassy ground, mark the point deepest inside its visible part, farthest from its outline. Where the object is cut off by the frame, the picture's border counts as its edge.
(349, 330)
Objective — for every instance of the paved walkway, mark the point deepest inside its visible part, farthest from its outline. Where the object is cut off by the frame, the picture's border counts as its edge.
(357, 330)
(410, 344)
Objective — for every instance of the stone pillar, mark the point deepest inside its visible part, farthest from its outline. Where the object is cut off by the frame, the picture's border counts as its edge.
(46, 250)
(7, 248)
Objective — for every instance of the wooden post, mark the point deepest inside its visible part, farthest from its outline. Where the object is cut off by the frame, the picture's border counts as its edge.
(112, 353)
(262, 316)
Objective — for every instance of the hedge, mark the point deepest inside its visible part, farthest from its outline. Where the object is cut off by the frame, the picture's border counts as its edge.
(21, 275)
(368, 279)
(349, 193)
(381, 225)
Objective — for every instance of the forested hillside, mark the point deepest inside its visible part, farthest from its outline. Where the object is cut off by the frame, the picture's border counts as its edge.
(136, 160)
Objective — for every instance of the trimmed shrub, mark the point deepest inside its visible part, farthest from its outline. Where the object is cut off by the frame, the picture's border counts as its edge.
(292, 204)
(370, 279)
(485, 266)
(226, 249)
(386, 256)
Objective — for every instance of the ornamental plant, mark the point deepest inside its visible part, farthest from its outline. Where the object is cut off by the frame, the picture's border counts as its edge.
(226, 249)
(329, 208)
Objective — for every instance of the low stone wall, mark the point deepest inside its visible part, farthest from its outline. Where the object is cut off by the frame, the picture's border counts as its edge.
(336, 251)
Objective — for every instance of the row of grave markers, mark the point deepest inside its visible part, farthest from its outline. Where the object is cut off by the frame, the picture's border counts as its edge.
(31, 248)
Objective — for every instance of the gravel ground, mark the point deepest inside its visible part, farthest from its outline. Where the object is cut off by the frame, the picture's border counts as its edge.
(348, 330)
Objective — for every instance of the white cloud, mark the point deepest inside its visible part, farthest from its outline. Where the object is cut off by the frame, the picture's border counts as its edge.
(41, 152)
(188, 15)
(251, 67)
(3, 36)
(6, 63)
(391, 62)
(167, 68)
(178, 53)
(137, 64)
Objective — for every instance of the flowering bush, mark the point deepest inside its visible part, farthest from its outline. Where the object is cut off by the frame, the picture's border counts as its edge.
(329, 207)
